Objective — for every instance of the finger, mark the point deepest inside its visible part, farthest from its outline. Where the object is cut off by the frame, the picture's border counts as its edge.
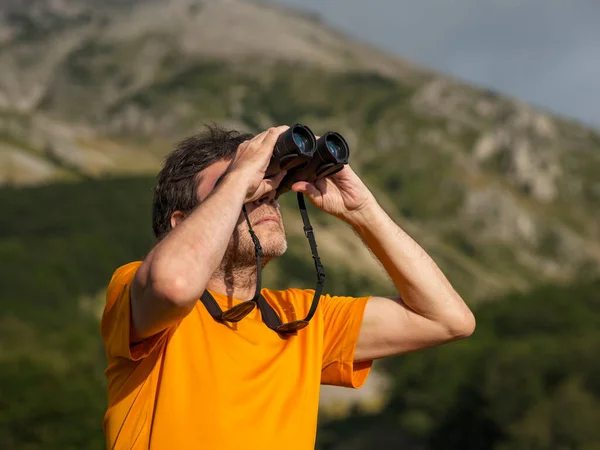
(260, 138)
(282, 128)
(321, 185)
(272, 135)
(252, 142)
(277, 179)
(268, 185)
(300, 186)
(259, 193)
(306, 188)
(271, 184)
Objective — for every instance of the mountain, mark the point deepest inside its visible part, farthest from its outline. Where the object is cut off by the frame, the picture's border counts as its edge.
(94, 66)
(93, 94)
(501, 194)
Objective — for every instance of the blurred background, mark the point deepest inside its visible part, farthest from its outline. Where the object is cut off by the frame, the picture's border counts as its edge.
(474, 123)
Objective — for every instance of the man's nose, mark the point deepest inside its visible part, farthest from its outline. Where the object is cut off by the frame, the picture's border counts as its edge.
(267, 198)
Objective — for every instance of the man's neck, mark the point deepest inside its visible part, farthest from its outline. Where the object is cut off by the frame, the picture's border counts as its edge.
(239, 284)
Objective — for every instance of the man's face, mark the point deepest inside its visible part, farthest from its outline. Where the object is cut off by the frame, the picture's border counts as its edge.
(265, 218)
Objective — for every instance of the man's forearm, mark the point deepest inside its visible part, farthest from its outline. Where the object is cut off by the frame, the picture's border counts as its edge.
(419, 281)
(182, 263)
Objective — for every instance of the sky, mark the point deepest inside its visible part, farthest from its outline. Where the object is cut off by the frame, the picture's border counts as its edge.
(545, 52)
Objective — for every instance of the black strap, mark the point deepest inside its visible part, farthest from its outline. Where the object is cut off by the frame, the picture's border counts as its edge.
(310, 235)
(211, 305)
(258, 253)
(209, 301)
(270, 317)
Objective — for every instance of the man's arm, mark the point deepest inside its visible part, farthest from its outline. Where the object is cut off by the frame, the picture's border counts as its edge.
(175, 273)
(427, 311)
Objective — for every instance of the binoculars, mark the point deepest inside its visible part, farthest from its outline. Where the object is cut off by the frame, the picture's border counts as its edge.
(305, 157)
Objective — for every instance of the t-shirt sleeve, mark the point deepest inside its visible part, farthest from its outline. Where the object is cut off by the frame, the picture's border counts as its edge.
(115, 325)
(342, 322)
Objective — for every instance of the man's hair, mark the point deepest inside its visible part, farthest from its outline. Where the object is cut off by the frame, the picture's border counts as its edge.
(177, 182)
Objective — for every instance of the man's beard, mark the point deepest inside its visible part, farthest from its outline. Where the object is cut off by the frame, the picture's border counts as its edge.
(240, 255)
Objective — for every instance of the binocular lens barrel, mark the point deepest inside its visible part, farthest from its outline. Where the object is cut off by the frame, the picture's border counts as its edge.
(332, 148)
(294, 148)
(337, 147)
(301, 139)
(305, 158)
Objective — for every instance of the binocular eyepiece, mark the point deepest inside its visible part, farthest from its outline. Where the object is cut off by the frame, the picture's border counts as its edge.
(306, 158)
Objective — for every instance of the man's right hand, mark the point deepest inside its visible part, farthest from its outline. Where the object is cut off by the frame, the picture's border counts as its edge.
(252, 160)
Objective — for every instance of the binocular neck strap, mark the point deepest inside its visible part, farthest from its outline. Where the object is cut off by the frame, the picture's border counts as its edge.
(269, 315)
(310, 235)
(258, 252)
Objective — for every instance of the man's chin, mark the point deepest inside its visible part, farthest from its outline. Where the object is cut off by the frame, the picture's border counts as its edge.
(272, 253)
(274, 244)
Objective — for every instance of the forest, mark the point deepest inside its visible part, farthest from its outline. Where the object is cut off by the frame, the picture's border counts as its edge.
(528, 378)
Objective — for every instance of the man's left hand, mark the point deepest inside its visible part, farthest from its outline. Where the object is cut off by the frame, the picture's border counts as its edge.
(342, 195)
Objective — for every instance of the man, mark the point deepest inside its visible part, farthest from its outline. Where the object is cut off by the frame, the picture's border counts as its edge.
(179, 379)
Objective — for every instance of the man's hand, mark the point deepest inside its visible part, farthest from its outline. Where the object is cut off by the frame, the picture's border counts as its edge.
(252, 160)
(342, 195)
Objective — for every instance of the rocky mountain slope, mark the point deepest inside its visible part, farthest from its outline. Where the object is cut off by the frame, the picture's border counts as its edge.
(503, 196)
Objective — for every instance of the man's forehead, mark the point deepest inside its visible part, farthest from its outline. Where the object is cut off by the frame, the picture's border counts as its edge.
(222, 176)
(210, 177)
(214, 171)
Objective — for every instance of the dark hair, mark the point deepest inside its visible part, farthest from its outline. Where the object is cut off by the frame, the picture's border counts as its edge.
(177, 182)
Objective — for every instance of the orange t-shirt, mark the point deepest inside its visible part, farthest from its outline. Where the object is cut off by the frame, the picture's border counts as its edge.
(202, 384)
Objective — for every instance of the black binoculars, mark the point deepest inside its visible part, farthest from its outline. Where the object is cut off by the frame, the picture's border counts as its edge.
(305, 158)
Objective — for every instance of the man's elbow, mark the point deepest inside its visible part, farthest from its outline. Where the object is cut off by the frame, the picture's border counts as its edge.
(163, 283)
(462, 324)
(176, 291)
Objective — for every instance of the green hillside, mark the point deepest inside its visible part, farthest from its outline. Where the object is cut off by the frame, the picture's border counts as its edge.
(493, 222)
(530, 368)
(528, 379)
(502, 196)
(58, 246)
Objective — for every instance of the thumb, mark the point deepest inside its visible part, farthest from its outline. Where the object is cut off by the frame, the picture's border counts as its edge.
(307, 189)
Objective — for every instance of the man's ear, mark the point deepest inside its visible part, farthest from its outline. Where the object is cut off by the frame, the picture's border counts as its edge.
(176, 218)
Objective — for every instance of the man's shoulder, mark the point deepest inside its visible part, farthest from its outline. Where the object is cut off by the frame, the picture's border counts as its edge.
(125, 271)
(121, 276)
